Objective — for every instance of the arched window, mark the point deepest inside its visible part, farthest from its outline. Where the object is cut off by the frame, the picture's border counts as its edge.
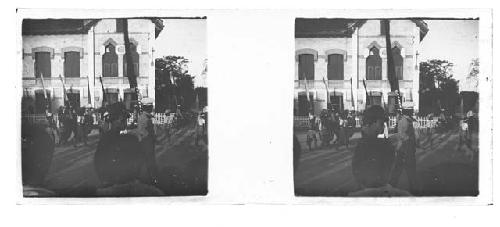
(71, 64)
(135, 60)
(374, 65)
(398, 62)
(335, 67)
(110, 62)
(306, 66)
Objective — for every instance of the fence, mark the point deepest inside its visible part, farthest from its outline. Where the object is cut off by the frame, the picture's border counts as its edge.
(32, 118)
(159, 118)
(302, 122)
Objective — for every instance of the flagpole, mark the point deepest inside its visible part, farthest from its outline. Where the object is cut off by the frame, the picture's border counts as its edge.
(352, 96)
(367, 100)
(327, 93)
(44, 93)
(307, 95)
(103, 92)
(88, 92)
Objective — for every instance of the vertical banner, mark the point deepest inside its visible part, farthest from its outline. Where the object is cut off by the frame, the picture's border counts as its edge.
(327, 93)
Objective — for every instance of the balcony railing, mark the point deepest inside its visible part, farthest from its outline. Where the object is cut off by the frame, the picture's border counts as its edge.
(77, 81)
(318, 84)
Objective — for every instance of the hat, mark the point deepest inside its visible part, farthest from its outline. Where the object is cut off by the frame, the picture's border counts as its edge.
(147, 101)
(374, 113)
(117, 110)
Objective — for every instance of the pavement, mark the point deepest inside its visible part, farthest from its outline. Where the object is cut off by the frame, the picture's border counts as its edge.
(443, 169)
(182, 166)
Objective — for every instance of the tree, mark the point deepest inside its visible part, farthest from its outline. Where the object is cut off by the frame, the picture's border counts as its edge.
(438, 89)
(132, 78)
(174, 85)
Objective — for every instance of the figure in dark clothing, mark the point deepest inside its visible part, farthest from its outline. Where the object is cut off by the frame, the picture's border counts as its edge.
(119, 159)
(405, 152)
(146, 136)
(311, 132)
(80, 136)
(297, 150)
(37, 150)
(374, 157)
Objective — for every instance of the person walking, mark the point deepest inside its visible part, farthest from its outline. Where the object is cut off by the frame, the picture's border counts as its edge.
(311, 132)
(146, 135)
(373, 157)
(405, 151)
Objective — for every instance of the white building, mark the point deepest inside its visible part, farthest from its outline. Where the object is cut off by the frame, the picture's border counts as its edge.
(347, 52)
(82, 51)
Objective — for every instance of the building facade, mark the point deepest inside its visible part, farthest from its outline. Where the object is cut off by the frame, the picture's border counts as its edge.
(336, 58)
(82, 53)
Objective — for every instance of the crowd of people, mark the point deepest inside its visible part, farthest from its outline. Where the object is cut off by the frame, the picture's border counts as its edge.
(331, 128)
(378, 160)
(124, 160)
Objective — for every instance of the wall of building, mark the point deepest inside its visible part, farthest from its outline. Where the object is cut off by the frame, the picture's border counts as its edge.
(404, 34)
(140, 31)
(57, 42)
(322, 45)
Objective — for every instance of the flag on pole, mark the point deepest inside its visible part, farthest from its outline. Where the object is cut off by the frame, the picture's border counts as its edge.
(327, 93)
(66, 100)
(307, 95)
(103, 92)
(44, 93)
(43, 86)
(88, 91)
(352, 95)
(307, 89)
(334, 98)
(366, 92)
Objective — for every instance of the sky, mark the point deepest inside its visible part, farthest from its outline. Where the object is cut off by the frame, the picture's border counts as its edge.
(454, 40)
(184, 37)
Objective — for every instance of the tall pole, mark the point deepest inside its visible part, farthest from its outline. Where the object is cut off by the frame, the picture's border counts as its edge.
(391, 71)
(132, 78)
(46, 102)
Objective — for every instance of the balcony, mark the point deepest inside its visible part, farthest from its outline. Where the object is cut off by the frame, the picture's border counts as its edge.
(372, 84)
(318, 84)
(78, 81)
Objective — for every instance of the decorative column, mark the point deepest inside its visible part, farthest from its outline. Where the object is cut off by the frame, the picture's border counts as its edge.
(57, 65)
(151, 70)
(355, 67)
(383, 55)
(415, 72)
(120, 51)
(91, 64)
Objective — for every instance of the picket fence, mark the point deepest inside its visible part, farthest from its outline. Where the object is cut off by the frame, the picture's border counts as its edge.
(302, 122)
(159, 118)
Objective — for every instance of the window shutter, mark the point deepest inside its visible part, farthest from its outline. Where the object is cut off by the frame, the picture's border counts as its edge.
(42, 64)
(370, 73)
(378, 73)
(335, 69)
(72, 64)
(114, 69)
(306, 66)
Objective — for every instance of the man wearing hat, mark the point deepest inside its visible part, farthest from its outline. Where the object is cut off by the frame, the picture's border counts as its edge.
(146, 135)
(373, 158)
(405, 149)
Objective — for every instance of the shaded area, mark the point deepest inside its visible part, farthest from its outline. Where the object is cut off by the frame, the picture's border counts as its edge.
(443, 169)
(182, 166)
